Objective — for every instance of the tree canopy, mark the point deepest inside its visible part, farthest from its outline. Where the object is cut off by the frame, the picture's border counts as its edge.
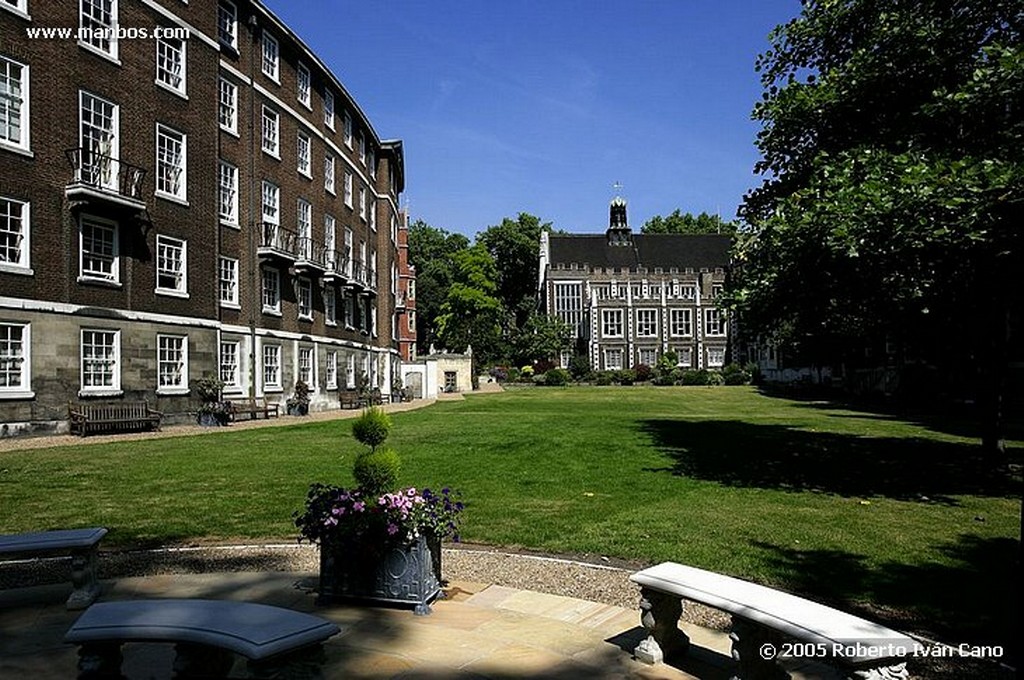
(892, 143)
(679, 222)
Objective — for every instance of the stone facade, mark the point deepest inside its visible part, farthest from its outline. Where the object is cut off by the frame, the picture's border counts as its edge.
(212, 202)
(632, 297)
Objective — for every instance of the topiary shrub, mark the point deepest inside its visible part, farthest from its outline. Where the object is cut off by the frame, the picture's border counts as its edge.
(556, 377)
(376, 471)
(372, 427)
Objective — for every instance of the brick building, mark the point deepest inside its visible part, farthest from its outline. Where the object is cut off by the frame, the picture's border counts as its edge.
(405, 301)
(632, 297)
(207, 200)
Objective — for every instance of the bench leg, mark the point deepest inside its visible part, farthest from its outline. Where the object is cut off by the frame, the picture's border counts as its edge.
(895, 672)
(749, 640)
(83, 578)
(659, 614)
(306, 663)
(201, 661)
(98, 660)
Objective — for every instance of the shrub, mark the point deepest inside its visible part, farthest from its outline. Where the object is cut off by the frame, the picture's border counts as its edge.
(208, 389)
(513, 374)
(556, 377)
(499, 373)
(579, 366)
(372, 427)
(642, 372)
(694, 377)
(603, 378)
(543, 365)
(666, 363)
(714, 378)
(663, 380)
(625, 376)
(376, 471)
(734, 374)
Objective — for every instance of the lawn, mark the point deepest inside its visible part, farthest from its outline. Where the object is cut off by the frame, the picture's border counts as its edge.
(863, 510)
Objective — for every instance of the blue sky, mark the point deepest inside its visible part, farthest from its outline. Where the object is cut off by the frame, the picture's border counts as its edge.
(540, 107)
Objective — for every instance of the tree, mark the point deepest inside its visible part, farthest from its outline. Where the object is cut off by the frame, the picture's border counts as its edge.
(470, 314)
(686, 223)
(432, 251)
(515, 247)
(892, 145)
(542, 337)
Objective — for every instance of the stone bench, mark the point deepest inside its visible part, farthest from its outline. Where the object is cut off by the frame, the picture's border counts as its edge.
(206, 632)
(80, 544)
(766, 622)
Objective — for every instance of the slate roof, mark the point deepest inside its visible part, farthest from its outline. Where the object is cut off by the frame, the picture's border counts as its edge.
(648, 250)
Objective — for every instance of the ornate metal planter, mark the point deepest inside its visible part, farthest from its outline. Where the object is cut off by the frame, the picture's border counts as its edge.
(372, 571)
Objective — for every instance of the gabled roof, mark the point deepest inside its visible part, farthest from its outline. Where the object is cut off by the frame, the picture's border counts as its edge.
(647, 250)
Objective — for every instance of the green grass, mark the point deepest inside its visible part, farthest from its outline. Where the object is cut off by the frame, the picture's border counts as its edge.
(861, 509)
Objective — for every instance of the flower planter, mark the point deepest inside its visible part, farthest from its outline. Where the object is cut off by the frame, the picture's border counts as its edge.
(298, 409)
(376, 571)
(208, 419)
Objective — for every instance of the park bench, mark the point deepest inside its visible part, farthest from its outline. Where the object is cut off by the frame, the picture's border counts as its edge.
(207, 633)
(252, 409)
(117, 416)
(351, 399)
(80, 544)
(766, 623)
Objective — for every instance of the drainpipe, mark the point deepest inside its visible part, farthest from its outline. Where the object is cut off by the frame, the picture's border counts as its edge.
(254, 283)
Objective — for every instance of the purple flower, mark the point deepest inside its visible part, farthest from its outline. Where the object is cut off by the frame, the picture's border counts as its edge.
(392, 528)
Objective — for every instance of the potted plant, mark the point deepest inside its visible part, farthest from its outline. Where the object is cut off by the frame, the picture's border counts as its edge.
(379, 542)
(212, 410)
(298, 403)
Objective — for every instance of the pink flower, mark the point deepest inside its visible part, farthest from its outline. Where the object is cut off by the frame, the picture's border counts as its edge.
(392, 529)
(359, 506)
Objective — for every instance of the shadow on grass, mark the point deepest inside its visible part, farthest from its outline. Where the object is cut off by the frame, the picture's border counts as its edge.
(738, 453)
(973, 599)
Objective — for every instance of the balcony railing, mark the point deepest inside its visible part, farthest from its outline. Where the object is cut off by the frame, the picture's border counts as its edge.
(277, 241)
(311, 254)
(336, 265)
(95, 175)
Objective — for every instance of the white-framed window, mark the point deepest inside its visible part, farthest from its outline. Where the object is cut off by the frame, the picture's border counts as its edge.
(14, 104)
(271, 199)
(270, 280)
(412, 320)
(684, 356)
(304, 297)
(348, 188)
(304, 221)
(647, 356)
(350, 370)
(99, 249)
(411, 285)
(19, 7)
(714, 322)
(717, 289)
(716, 357)
(611, 324)
(171, 64)
(330, 307)
(304, 154)
(362, 148)
(302, 88)
(373, 164)
(171, 364)
(230, 368)
(331, 369)
(613, 358)
(227, 24)
(100, 362)
(227, 268)
(348, 129)
(680, 322)
(99, 137)
(349, 251)
(272, 367)
(15, 360)
(687, 291)
(14, 236)
(228, 193)
(171, 266)
(227, 108)
(647, 323)
(362, 203)
(270, 62)
(329, 173)
(568, 303)
(171, 163)
(271, 131)
(329, 109)
(330, 240)
(97, 22)
(305, 367)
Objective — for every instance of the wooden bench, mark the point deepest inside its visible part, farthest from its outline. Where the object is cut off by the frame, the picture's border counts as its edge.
(80, 544)
(112, 417)
(253, 409)
(350, 399)
(207, 633)
(765, 623)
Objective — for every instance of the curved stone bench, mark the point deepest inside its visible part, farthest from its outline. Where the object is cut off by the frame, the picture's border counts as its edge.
(764, 619)
(81, 544)
(206, 633)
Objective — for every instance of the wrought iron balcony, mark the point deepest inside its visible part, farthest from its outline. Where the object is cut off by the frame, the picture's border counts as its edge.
(311, 255)
(276, 241)
(96, 176)
(336, 266)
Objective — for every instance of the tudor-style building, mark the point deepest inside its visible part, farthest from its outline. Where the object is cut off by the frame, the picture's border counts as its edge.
(631, 297)
(186, 190)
